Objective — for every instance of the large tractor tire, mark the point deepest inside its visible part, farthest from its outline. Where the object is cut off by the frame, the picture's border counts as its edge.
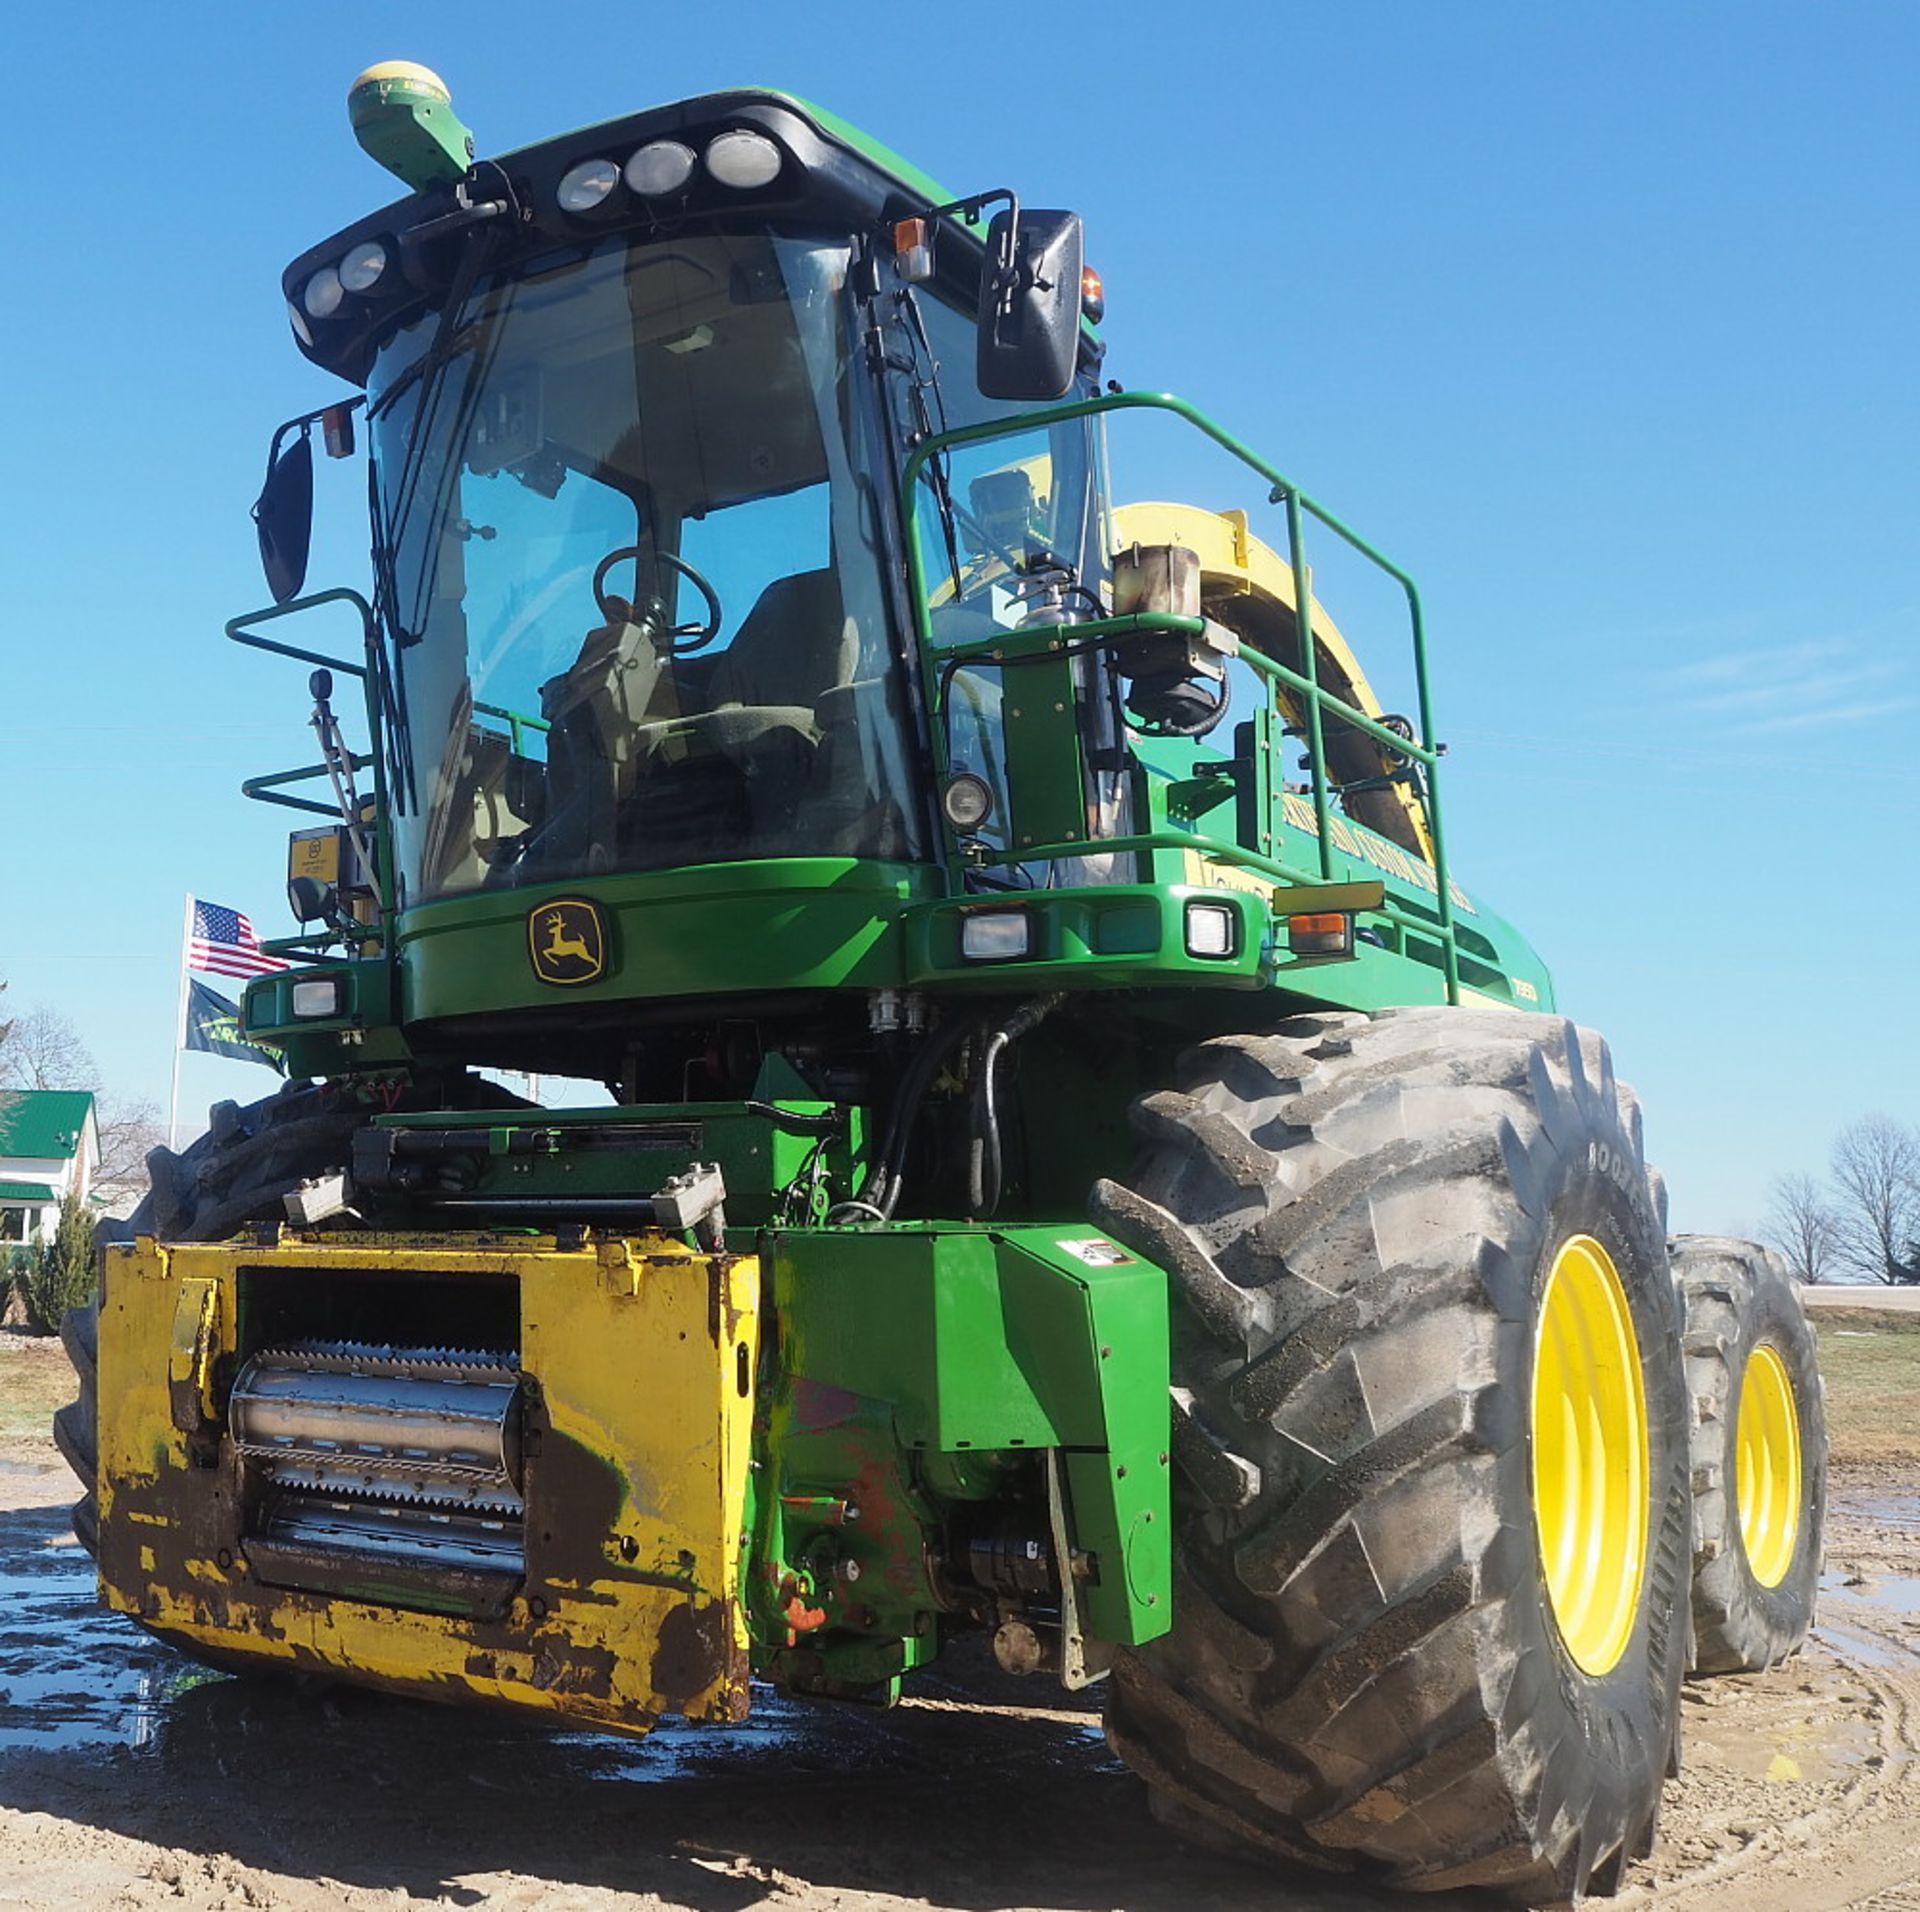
(239, 1171)
(1430, 1423)
(1759, 1454)
(76, 1427)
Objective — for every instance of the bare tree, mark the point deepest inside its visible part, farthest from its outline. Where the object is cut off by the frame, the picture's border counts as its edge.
(6, 1036)
(128, 1129)
(43, 1050)
(1876, 1168)
(1802, 1225)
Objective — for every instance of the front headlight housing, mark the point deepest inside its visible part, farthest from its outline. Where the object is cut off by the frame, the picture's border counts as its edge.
(315, 998)
(996, 936)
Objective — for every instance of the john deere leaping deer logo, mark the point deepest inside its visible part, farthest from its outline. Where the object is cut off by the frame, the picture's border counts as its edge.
(567, 941)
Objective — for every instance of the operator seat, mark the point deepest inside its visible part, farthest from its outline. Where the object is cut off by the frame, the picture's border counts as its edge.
(793, 647)
(734, 771)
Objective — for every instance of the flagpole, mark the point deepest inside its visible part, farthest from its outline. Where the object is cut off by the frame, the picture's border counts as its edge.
(180, 1026)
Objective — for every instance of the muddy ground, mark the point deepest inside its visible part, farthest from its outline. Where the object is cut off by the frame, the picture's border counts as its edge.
(127, 1779)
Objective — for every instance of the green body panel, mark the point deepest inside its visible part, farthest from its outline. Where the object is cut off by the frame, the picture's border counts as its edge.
(743, 928)
(1044, 757)
(988, 1341)
(1113, 936)
(366, 1034)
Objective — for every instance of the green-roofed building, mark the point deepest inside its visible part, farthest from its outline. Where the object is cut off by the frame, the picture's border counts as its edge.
(49, 1144)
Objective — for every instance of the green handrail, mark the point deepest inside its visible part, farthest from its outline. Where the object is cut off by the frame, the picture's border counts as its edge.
(1299, 506)
(265, 789)
(516, 722)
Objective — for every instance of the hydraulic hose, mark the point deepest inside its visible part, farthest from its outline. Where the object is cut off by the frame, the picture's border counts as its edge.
(984, 1156)
(879, 1192)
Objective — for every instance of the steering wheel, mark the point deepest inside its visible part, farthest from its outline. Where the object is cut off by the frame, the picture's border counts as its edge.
(698, 635)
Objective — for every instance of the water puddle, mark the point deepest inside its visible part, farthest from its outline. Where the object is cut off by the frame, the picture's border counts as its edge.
(1886, 1592)
(1890, 1510)
(73, 1675)
(1846, 1615)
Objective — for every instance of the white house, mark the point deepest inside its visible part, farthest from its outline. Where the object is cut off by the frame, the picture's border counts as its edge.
(49, 1144)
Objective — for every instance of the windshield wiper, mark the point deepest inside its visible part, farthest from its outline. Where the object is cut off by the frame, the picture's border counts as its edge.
(388, 520)
(937, 468)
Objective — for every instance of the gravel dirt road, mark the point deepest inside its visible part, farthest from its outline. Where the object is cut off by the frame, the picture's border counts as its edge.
(129, 1779)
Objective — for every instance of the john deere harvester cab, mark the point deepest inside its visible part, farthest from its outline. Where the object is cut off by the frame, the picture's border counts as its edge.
(1075, 1166)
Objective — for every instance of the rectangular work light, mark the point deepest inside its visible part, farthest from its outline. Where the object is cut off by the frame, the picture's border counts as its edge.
(1211, 929)
(996, 936)
(316, 998)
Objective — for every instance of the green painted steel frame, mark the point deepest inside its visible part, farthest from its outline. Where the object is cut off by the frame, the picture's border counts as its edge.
(991, 1343)
(1299, 505)
(268, 789)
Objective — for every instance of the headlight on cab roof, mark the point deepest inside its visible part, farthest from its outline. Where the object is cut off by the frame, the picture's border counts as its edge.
(360, 270)
(664, 166)
(584, 186)
(323, 294)
(743, 160)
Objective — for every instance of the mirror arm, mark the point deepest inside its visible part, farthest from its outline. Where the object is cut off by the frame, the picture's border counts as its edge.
(307, 420)
(971, 209)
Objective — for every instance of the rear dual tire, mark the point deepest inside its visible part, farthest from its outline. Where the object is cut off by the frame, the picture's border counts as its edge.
(1759, 1454)
(1386, 1649)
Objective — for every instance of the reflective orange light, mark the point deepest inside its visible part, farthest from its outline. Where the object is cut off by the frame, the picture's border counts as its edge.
(336, 430)
(1093, 294)
(913, 247)
(1320, 935)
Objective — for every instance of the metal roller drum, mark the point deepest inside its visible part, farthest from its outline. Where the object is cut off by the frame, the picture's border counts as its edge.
(409, 1454)
(428, 1426)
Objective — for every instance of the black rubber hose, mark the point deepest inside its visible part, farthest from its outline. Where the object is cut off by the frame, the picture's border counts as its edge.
(794, 1122)
(879, 1191)
(984, 1156)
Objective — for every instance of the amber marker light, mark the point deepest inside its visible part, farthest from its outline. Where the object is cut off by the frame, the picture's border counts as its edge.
(1328, 935)
(913, 248)
(1093, 295)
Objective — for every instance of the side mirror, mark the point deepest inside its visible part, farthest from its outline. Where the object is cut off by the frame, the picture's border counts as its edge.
(1030, 306)
(283, 516)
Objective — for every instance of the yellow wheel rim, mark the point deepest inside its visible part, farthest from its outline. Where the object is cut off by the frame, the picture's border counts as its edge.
(1590, 1460)
(1767, 1466)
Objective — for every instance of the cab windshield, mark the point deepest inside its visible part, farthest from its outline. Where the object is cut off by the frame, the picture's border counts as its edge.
(631, 572)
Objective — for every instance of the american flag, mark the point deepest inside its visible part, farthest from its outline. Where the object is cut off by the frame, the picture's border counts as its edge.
(223, 944)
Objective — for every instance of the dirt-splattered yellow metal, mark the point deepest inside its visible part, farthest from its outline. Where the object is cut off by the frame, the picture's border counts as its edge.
(1768, 1478)
(638, 1358)
(1590, 1454)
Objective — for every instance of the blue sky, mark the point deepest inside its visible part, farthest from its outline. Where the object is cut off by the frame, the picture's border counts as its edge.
(1599, 318)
